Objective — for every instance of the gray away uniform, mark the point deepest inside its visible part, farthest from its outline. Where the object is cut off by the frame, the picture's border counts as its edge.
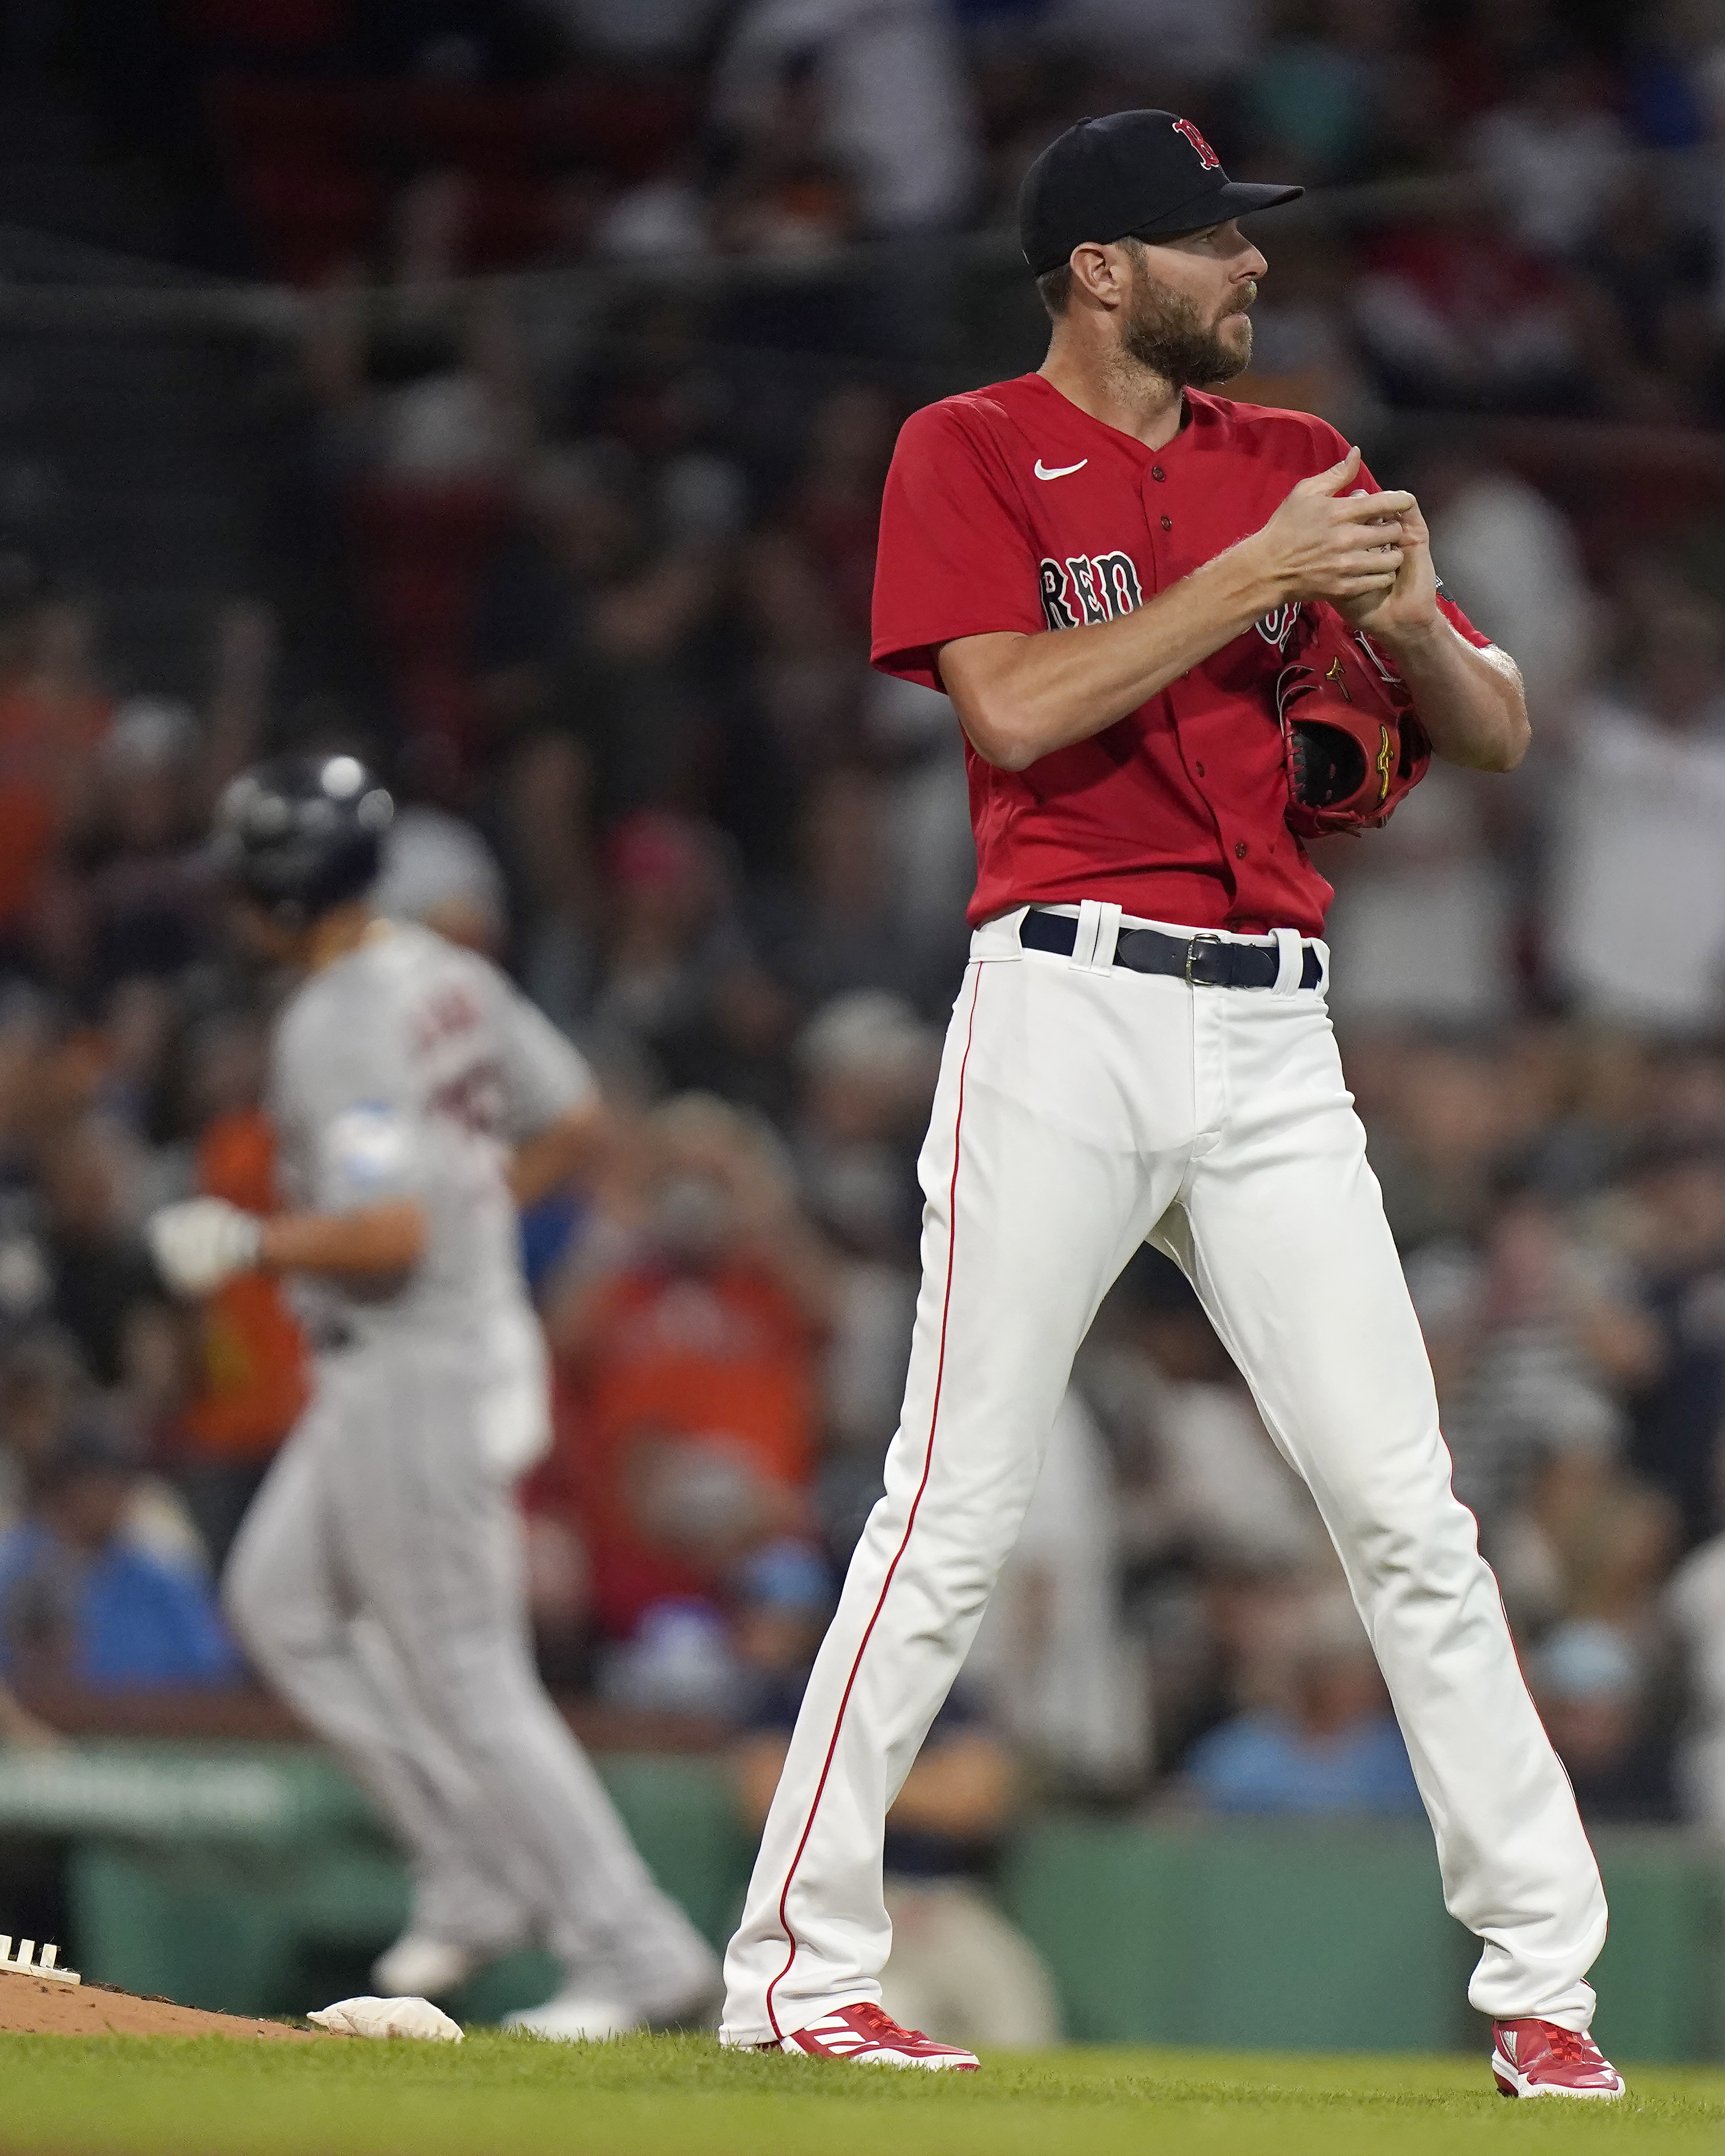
(377, 1579)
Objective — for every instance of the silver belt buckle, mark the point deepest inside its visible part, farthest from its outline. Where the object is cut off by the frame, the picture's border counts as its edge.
(1203, 936)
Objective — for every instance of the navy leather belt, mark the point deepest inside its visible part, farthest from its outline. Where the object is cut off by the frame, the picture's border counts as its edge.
(1207, 961)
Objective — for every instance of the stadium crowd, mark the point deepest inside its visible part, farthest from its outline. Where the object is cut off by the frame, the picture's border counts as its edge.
(602, 595)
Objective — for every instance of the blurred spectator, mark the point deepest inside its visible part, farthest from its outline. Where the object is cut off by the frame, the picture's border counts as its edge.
(104, 1291)
(1648, 264)
(931, 854)
(1694, 1607)
(1217, 1540)
(1303, 357)
(1440, 1116)
(678, 1661)
(730, 1657)
(1675, 1229)
(45, 1394)
(688, 1351)
(1330, 1746)
(1530, 1338)
(867, 1066)
(682, 1001)
(781, 1600)
(1063, 1678)
(416, 377)
(1509, 560)
(252, 1378)
(1593, 1693)
(52, 714)
(1552, 155)
(78, 1602)
(149, 896)
(1588, 1098)
(587, 616)
(896, 112)
(955, 1963)
(1608, 1541)
(1636, 913)
(1457, 315)
(1422, 930)
(808, 579)
(668, 216)
(787, 196)
(1313, 92)
(836, 932)
(833, 512)
(438, 871)
(1199, 1468)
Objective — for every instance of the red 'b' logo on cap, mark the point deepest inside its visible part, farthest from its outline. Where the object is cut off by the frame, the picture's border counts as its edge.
(1208, 160)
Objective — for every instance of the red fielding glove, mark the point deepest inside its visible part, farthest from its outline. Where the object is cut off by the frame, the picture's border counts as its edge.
(1351, 741)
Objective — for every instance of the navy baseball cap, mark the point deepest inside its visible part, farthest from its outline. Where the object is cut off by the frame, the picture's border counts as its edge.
(1140, 175)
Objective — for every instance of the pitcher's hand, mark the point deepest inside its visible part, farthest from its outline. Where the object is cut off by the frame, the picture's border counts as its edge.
(1408, 609)
(1325, 543)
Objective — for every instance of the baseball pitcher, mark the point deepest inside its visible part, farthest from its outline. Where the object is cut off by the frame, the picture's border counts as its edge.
(1180, 633)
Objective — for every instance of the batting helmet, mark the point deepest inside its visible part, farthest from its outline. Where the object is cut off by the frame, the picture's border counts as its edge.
(302, 834)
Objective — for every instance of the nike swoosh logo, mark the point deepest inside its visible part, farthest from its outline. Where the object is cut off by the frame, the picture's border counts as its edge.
(1064, 472)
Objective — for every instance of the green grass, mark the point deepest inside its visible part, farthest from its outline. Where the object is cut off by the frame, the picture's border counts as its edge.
(511, 2096)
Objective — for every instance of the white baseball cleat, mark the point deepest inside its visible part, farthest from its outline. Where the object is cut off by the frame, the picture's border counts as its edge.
(576, 2017)
(868, 2036)
(1538, 2058)
(419, 1966)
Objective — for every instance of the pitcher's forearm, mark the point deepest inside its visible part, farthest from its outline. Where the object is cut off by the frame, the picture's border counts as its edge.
(1020, 697)
(1470, 702)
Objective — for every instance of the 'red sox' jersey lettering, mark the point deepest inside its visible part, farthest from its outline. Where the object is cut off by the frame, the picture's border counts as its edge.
(1088, 588)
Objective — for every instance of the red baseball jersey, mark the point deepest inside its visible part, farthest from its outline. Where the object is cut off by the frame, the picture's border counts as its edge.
(1010, 509)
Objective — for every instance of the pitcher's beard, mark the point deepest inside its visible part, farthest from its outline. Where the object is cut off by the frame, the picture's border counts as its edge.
(1166, 335)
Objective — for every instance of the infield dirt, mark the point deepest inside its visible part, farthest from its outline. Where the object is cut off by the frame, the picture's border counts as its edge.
(33, 2006)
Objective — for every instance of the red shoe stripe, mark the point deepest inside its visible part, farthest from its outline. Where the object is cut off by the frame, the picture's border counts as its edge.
(904, 1541)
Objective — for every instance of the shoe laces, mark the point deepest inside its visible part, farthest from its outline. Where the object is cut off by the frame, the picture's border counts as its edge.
(1573, 2045)
(885, 2029)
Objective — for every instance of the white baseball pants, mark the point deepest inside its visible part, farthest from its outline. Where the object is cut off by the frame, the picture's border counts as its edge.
(1083, 1110)
(376, 1584)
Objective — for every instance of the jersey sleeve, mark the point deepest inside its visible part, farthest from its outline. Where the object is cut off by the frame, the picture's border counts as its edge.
(955, 555)
(543, 1076)
(1458, 620)
(352, 1133)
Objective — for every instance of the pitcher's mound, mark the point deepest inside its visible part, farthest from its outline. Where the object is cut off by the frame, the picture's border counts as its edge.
(31, 2006)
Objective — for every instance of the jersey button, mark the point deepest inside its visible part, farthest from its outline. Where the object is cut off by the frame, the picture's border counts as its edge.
(1157, 472)
(1198, 767)
(1168, 523)
(1239, 850)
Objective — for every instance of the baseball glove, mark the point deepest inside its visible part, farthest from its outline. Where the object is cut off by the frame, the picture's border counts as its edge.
(1351, 742)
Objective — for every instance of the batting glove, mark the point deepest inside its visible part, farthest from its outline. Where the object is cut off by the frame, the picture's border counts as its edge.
(202, 1242)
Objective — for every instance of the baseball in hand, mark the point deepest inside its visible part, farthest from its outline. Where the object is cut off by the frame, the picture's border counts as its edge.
(202, 1242)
